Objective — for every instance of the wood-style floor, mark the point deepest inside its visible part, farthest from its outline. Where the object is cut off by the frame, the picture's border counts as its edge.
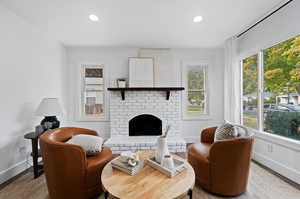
(262, 185)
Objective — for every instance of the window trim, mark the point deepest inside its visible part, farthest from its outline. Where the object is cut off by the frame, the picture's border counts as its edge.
(205, 65)
(260, 92)
(79, 113)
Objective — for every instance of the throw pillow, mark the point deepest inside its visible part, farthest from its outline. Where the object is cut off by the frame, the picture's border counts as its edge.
(90, 143)
(243, 131)
(225, 131)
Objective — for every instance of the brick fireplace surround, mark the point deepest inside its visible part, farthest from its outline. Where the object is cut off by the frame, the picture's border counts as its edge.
(144, 102)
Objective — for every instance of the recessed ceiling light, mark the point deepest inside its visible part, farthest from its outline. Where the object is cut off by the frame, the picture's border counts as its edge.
(198, 19)
(94, 18)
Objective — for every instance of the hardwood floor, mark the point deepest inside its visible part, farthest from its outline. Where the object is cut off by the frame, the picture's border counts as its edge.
(262, 185)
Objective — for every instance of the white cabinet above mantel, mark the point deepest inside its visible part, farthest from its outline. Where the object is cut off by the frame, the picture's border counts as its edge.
(165, 74)
(141, 73)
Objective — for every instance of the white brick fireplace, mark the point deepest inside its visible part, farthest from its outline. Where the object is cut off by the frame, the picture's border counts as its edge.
(138, 103)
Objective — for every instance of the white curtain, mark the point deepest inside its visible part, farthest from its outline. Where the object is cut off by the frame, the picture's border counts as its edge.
(232, 82)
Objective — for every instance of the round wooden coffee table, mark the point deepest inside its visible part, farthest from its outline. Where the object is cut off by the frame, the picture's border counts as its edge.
(147, 183)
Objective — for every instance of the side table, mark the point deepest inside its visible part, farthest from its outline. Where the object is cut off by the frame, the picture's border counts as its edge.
(36, 153)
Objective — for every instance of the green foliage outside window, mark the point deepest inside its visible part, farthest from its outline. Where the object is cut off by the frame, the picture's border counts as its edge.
(281, 69)
(250, 75)
(196, 93)
(195, 79)
(283, 123)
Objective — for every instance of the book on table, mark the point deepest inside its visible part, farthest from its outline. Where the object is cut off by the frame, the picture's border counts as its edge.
(122, 165)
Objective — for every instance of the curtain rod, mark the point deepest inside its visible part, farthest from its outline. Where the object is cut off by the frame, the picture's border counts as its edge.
(266, 17)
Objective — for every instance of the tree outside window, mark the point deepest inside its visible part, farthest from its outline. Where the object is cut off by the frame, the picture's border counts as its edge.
(282, 83)
(250, 91)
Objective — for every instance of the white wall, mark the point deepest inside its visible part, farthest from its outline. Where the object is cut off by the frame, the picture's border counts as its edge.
(280, 154)
(279, 27)
(116, 61)
(31, 68)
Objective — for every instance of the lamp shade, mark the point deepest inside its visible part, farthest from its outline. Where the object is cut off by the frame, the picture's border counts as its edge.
(49, 107)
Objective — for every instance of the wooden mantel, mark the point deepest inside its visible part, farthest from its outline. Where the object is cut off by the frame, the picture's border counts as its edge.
(166, 89)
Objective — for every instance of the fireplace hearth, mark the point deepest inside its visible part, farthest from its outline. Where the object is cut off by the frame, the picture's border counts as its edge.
(145, 125)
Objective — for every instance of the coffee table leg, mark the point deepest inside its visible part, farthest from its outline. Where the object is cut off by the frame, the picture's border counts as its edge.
(190, 193)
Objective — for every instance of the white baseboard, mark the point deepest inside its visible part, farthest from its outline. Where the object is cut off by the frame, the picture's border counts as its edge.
(13, 171)
(285, 171)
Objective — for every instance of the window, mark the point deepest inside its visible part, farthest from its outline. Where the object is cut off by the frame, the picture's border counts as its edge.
(92, 106)
(250, 92)
(282, 89)
(195, 95)
(277, 76)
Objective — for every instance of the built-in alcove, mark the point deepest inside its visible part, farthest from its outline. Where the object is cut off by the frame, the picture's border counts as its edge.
(145, 125)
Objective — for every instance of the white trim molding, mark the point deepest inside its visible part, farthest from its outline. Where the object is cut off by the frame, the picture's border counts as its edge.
(278, 167)
(280, 140)
(278, 153)
(13, 171)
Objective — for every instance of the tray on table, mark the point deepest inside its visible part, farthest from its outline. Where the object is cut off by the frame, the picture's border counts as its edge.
(178, 164)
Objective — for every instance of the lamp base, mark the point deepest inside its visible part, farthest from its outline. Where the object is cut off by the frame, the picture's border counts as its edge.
(50, 122)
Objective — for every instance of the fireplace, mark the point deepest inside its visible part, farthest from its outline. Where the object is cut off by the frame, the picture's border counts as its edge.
(144, 114)
(145, 125)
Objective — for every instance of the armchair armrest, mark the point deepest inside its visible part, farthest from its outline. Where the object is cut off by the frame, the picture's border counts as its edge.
(208, 134)
(231, 152)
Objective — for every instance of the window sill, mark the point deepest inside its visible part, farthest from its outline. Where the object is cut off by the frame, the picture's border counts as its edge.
(276, 139)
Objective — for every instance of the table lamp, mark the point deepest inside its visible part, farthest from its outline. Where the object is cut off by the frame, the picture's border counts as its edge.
(49, 108)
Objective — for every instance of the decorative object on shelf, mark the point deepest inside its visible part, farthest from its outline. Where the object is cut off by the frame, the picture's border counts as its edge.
(121, 82)
(162, 146)
(178, 166)
(168, 162)
(49, 108)
(113, 83)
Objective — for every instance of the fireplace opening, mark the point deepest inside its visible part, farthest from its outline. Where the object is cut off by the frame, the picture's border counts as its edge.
(145, 125)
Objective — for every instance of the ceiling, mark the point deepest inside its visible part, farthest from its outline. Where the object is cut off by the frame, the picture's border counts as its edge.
(141, 23)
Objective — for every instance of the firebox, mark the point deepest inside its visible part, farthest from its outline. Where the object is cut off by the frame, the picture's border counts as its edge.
(145, 125)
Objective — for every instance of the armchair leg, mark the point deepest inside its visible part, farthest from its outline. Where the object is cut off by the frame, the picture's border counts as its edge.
(190, 194)
(106, 195)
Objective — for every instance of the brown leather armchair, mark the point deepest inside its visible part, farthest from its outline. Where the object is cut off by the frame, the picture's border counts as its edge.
(221, 167)
(69, 172)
